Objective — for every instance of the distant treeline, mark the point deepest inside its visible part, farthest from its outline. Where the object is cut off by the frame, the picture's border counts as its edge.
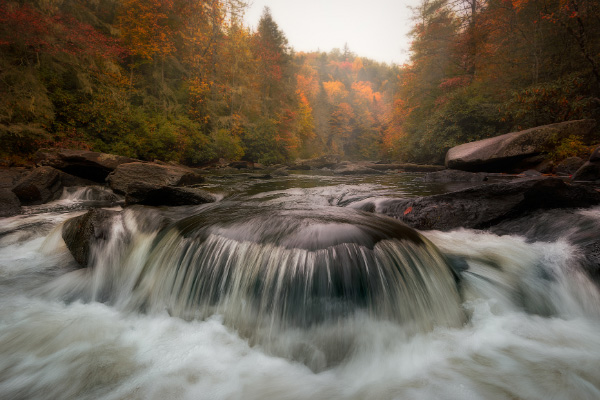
(186, 80)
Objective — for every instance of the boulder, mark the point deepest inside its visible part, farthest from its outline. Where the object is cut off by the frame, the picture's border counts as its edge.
(355, 169)
(152, 195)
(45, 184)
(82, 163)
(569, 166)
(80, 233)
(510, 152)
(590, 171)
(9, 203)
(152, 174)
(10, 176)
(484, 206)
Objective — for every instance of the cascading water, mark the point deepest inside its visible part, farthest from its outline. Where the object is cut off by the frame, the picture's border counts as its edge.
(270, 295)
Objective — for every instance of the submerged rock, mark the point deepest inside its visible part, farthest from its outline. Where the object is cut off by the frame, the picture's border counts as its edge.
(484, 206)
(509, 152)
(153, 195)
(82, 163)
(153, 175)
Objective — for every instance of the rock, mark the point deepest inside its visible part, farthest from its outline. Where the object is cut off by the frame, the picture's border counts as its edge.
(299, 167)
(45, 184)
(355, 169)
(9, 203)
(151, 174)
(590, 171)
(506, 153)
(453, 175)
(280, 172)
(81, 233)
(151, 195)
(484, 206)
(241, 164)
(569, 166)
(82, 163)
(10, 176)
(326, 161)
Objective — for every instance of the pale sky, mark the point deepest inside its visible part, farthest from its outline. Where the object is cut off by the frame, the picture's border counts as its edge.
(375, 29)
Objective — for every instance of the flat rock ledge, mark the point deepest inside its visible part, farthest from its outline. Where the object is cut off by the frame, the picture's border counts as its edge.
(484, 206)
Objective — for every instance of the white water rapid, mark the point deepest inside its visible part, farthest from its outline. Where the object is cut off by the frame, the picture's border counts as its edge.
(204, 306)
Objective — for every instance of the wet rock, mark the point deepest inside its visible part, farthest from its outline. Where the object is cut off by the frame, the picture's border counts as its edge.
(81, 233)
(9, 203)
(82, 163)
(152, 195)
(590, 171)
(355, 169)
(507, 153)
(280, 172)
(45, 184)
(153, 175)
(569, 166)
(484, 206)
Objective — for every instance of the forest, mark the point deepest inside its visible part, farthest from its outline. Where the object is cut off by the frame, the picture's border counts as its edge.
(188, 81)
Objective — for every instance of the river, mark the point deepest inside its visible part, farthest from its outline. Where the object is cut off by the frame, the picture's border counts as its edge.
(284, 289)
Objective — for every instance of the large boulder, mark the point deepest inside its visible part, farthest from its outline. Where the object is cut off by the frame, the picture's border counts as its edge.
(9, 203)
(45, 184)
(484, 206)
(10, 176)
(82, 163)
(590, 171)
(151, 195)
(81, 233)
(516, 151)
(152, 174)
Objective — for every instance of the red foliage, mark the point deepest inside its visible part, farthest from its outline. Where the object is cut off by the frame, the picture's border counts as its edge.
(24, 26)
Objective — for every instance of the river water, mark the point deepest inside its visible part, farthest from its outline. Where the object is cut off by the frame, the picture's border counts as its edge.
(284, 290)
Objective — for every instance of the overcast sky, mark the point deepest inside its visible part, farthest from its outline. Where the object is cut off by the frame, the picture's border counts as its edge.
(375, 29)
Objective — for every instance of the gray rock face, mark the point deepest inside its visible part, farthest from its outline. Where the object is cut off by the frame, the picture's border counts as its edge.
(152, 174)
(82, 163)
(484, 206)
(45, 184)
(142, 193)
(505, 153)
(9, 203)
(80, 233)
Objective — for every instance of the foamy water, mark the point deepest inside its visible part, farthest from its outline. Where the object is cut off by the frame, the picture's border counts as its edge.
(532, 331)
